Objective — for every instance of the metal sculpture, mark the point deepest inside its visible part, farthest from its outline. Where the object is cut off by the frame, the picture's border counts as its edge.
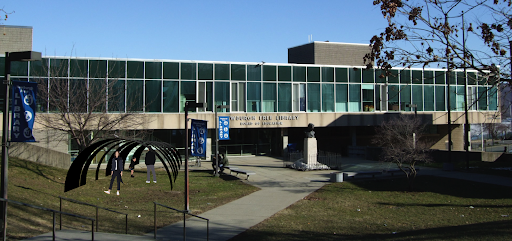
(77, 173)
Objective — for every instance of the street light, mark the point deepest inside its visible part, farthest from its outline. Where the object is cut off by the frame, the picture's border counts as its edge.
(216, 172)
(9, 57)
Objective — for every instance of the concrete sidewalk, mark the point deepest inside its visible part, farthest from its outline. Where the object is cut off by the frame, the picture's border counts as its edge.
(280, 188)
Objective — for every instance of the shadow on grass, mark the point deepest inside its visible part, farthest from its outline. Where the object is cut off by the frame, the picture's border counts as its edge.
(440, 185)
(32, 167)
(499, 230)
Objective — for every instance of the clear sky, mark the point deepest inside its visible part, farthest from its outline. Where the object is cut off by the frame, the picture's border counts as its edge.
(216, 30)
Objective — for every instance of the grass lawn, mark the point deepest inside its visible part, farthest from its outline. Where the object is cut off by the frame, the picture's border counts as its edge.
(498, 168)
(42, 185)
(439, 209)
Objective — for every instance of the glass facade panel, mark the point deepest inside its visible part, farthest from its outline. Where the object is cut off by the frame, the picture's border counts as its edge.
(428, 77)
(405, 76)
(313, 98)
(237, 72)
(78, 68)
(171, 96)
(393, 76)
(58, 101)
(354, 98)
(428, 93)
(188, 71)
(368, 97)
(205, 71)
(253, 97)
(440, 77)
(254, 72)
(269, 73)
(153, 70)
(313, 74)
(417, 97)
(327, 74)
(354, 75)
(116, 95)
(58, 68)
(153, 95)
(98, 96)
(368, 76)
(18, 68)
(327, 98)
(188, 93)
(116, 69)
(417, 77)
(493, 98)
(135, 69)
(78, 91)
(37, 68)
(284, 102)
(341, 98)
(405, 97)
(299, 74)
(299, 97)
(460, 77)
(440, 98)
(171, 70)
(209, 96)
(482, 98)
(97, 69)
(238, 96)
(134, 95)
(471, 78)
(222, 71)
(222, 95)
(42, 98)
(284, 73)
(341, 75)
(269, 97)
(451, 76)
(393, 97)
(380, 76)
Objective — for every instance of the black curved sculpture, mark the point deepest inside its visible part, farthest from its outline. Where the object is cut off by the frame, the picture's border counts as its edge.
(77, 173)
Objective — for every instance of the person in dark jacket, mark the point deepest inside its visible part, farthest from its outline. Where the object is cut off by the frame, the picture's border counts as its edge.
(150, 164)
(117, 172)
(132, 165)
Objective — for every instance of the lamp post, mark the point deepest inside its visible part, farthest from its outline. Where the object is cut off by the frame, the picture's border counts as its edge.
(217, 138)
(188, 104)
(9, 57)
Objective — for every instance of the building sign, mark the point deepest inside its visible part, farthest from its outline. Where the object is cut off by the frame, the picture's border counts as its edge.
(263, 120)
(23, 111)
(223, 128)
(198, 138)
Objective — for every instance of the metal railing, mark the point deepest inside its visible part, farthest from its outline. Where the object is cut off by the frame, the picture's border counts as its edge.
(184, 220)
(53, 211)
(92, 205)
(330, 159)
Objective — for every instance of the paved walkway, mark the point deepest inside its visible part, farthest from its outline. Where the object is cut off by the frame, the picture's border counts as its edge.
(280, 188)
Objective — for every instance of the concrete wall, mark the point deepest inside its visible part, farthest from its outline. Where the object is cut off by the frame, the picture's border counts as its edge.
(40, 155)
(457, 138)
(15, 38)
(329, 53)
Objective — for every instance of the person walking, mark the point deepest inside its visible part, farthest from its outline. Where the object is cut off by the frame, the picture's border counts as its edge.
(117, 172)
(150, 164)
(132, 165)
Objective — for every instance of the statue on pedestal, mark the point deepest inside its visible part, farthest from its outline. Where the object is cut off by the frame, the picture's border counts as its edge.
(310, 133)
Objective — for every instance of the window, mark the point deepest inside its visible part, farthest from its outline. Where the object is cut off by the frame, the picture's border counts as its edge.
(299, 97)
(368, 76)
(134, 95)
(254, 72)
(205, 71)
(97, 68)
(299, 74)
(405, 97)
(153, 95)
(428, 77)
(313, 74)
(269, 73)
(460, 77)
(222, 71)
(393, 97)
(116, 69)
(327, 74)
(237, 72)
(393, 76)
(58, 68)
(153, 70)
(368, 97)
(417, 97)
(78, 68)
(188, 93)
(380, 76)
(171, 70)
(440, 77)
(354, 75)
(188, 71)
(472, 97)
(269, 97)
(440, 98)
(171, 96)
(78, 91)
(405, 76)
(354, 98)
(493, 98)
(341, 98)
(284, 73)
(284, 101)
(428, 93)
(116, 95)
(237, 96)
(253, 97)
(135, 69)
(482, 98)
(417, 77)
(37, 68)
(97, 95)
(222, 95)
(341, 75)
(327, 97)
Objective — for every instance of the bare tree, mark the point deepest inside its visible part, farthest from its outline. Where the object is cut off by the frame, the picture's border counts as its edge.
(495, 129)
(429, 33)
(88, 109)
(402, 144)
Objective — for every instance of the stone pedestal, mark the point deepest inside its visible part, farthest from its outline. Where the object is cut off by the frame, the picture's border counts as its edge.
(310, 151)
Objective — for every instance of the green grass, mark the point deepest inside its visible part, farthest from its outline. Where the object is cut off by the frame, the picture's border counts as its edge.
(42, 185)
(439, 209)
(498, 168)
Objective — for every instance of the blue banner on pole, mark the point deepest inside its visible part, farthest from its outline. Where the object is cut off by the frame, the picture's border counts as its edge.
(24, 95)
(198, 138)
(223, 128)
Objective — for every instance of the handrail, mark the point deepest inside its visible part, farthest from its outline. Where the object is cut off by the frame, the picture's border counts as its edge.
(185, 212)
(92, 205)
(53, 211)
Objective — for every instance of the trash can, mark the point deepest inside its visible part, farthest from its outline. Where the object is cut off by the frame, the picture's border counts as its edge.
(336, 177)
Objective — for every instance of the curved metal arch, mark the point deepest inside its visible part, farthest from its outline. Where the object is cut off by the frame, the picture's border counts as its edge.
(77, 173)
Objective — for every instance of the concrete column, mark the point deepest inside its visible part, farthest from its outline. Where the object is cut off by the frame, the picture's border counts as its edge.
(209, 148)
(284, 137)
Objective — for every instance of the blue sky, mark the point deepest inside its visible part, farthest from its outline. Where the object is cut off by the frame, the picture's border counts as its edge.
(245, 31)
